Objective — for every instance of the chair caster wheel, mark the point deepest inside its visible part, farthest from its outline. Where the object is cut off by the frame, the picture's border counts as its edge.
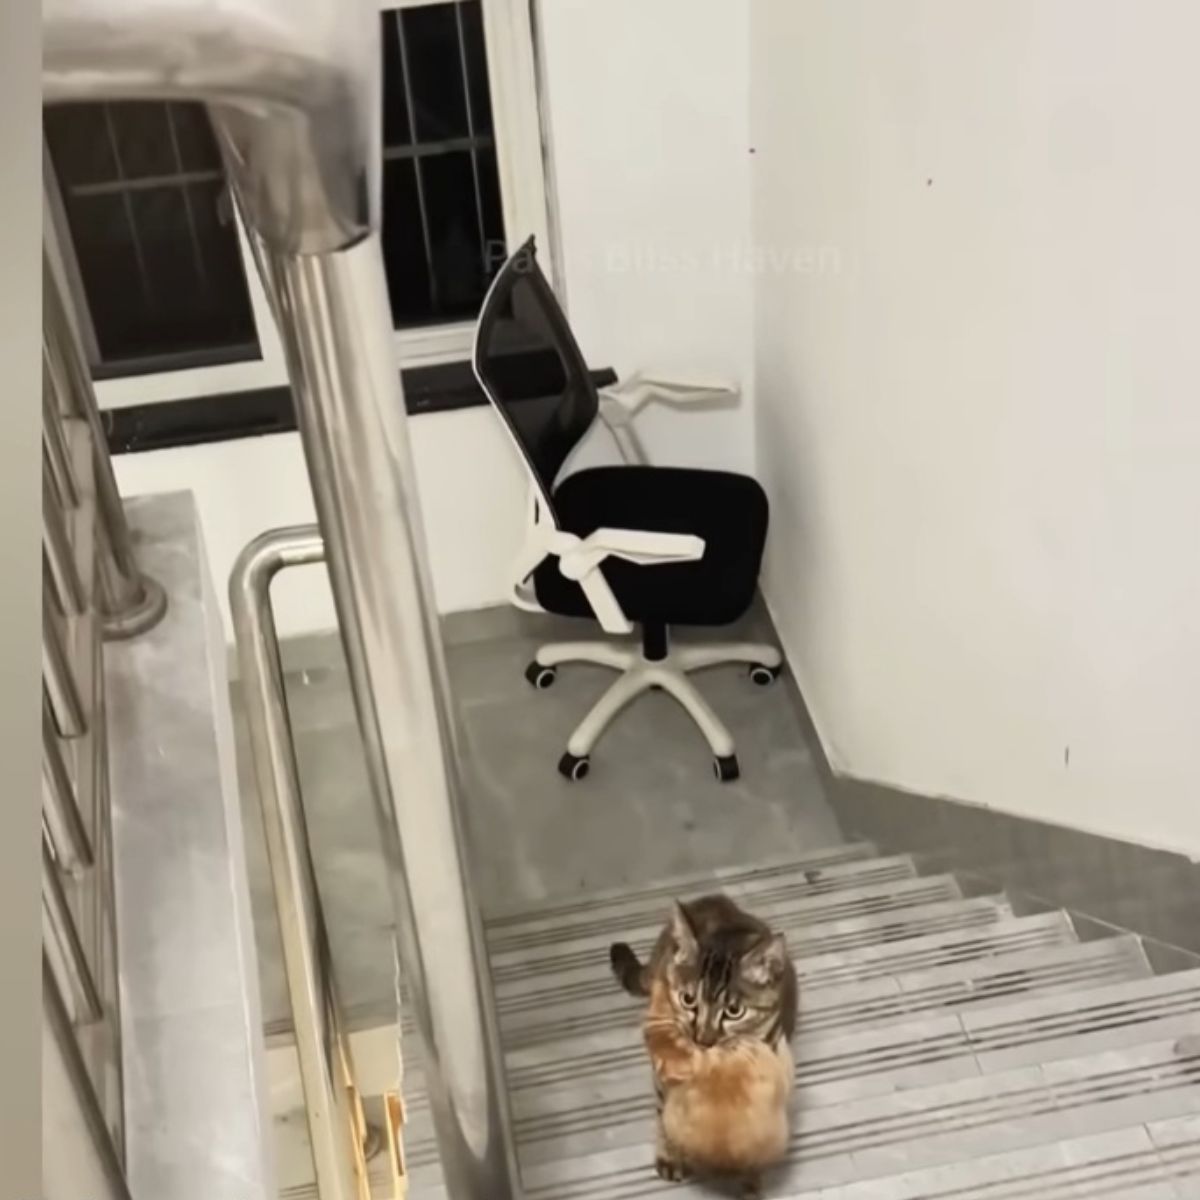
(573, 768)
(764, 676)
(726, 769)
(541, 677)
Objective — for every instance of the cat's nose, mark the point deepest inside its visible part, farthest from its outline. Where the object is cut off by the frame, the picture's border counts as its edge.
(707, 1037)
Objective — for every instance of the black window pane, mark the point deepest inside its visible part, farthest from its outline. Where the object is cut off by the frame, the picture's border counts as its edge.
(160, 214)
(227, 303)
(174, 281)
(77, 136)
(455, 234)
(143, 139)
(443, 222)
(153, 238)
(471, 16)
(396, 128)
(404, 245)
(194, 135)
(108, 262)
(435, 66)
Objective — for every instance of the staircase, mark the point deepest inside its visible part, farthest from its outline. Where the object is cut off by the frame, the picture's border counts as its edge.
(947, 1048)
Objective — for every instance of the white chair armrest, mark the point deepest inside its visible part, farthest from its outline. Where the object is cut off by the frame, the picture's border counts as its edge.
(580, 558)
(620, 402)
(634, 545)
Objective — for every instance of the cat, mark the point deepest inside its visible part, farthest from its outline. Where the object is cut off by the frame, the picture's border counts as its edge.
(718, 979)
(723, 1109)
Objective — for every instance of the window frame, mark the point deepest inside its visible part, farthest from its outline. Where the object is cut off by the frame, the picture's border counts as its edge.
(513, 84)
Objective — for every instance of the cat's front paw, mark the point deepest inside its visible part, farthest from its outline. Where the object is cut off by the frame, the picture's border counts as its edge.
(670, 1170)
(751, 1188)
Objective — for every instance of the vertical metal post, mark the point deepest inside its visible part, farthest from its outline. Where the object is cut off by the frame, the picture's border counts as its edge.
(130, 602)
(56, 453)
(72, 845)
(350, 408)
(335, 1132)
(58, 676)
(58, 553)
(88, 1002)
(84, 1161)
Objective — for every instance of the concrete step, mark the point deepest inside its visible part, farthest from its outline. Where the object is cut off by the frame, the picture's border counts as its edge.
(844, 1068)
(1155, 1161)
(933, 1127)
(833, 935)
(658, 895)
(869, 1001)
(580, 1091)
(788, 915)
(806, 890)
(591, 989)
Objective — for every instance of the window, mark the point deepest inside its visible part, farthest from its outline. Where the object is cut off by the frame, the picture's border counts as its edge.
(442, 220)
(149, 242)
(155, 249)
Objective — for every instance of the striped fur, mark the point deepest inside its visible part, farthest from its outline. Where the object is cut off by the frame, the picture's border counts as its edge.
(720, 983)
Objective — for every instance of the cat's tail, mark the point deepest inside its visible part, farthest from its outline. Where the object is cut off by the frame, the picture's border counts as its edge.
(630, 973)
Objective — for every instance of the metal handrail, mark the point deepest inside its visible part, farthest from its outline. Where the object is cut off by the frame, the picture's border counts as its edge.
(294, 91)
(92, 589)
(351, 414)
(335, 1124)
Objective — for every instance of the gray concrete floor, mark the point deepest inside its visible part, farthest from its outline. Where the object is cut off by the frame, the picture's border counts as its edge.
(649, 810)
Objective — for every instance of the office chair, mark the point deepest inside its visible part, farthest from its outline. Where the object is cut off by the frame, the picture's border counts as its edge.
(626, 545)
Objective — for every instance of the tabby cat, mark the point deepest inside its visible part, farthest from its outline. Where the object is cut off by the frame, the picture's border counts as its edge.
(723, 976)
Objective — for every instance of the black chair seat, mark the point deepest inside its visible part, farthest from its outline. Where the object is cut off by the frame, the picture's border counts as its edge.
(728, 511)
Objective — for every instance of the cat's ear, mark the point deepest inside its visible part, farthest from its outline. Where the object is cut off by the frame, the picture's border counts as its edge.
(766, 964)
(687, 949)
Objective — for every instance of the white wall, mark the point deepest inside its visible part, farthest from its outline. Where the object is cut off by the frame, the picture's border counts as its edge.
(648, 119)
(470, 488)
(981, 435)
(651, 176)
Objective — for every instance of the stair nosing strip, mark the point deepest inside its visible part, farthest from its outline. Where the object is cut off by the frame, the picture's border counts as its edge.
(966, 944)
(936, 886)
(855, 851)
(983, 909)
(915, 1116)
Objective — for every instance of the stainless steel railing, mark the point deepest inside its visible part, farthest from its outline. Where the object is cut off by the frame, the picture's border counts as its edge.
(129, 602)
(293, 87)
(336, 1126)
(92, 590)
(351, 415)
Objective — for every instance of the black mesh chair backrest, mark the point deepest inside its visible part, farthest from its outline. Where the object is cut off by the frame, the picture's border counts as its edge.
(527, 362)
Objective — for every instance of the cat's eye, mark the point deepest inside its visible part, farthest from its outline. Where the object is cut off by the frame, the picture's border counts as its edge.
(687, 999)
(735, 1010)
